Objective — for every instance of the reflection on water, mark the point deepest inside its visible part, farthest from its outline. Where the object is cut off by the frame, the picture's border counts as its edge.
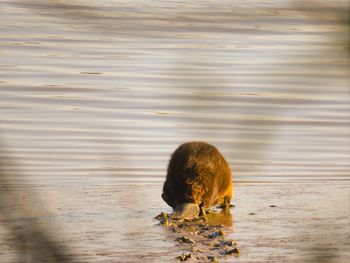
(222, 217)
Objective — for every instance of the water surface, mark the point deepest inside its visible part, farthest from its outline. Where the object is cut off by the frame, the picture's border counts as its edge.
(111, 88)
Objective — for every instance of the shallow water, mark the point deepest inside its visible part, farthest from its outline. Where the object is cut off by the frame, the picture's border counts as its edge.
(95, 96)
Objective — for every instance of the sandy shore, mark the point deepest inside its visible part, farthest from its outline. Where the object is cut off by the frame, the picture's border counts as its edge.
(99, 222)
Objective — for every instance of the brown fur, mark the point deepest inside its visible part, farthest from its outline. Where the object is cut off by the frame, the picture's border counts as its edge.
(198, 173)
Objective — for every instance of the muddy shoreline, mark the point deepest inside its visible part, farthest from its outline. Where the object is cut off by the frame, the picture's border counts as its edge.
(203, 237)
(284, 222)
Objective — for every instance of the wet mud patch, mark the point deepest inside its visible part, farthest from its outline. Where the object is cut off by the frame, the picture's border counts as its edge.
(203, 238)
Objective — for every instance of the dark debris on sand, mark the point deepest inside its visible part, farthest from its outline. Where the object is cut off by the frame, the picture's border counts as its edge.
(205, 242)
(184, 239)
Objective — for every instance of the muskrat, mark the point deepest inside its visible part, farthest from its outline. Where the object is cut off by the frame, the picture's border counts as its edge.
(198, 173)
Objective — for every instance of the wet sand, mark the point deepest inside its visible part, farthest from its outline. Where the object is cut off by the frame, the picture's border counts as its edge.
(108, 222)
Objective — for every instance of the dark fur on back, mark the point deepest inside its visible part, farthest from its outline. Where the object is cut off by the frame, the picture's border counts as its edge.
(197, 173)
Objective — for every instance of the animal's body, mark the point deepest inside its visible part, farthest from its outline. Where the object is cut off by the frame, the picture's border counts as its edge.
(198, 173)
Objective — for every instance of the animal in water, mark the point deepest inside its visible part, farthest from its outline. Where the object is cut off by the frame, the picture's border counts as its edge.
(198, 174)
